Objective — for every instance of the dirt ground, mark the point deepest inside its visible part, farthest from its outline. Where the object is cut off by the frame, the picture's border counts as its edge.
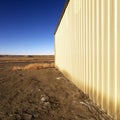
(42, 94)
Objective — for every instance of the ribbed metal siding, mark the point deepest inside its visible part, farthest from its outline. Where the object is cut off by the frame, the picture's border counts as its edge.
(87, 50)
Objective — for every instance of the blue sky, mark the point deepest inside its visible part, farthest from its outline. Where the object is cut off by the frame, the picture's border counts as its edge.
(27, 26)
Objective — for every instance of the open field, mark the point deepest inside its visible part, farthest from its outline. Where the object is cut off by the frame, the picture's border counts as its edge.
(41, 93)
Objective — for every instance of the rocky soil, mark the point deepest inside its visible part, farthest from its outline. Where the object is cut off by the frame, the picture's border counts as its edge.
(43, 94)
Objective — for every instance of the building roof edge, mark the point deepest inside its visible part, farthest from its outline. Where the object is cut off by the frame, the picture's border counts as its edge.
(65, 6)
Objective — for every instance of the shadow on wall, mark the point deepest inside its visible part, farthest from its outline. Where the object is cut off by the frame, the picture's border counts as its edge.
(65, 73)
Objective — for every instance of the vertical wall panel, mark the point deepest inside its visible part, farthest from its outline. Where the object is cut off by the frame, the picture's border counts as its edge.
(92, 45)
(87, 47)
(100, 53)
(117, 25)
(97, 50)
(105, 55)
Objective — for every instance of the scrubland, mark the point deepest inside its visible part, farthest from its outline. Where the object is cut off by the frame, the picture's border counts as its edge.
(31, 88)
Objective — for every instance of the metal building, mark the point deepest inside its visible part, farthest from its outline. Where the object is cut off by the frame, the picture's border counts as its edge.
(87, 50)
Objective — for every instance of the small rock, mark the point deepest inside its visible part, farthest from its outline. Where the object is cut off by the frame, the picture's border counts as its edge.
(27, 116)
(44, 98)
(58, 78)
(35, 115)
(47, 105)
(39, 90)
(10, 115)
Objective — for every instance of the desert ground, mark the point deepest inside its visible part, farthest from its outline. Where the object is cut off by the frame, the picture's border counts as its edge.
(31, 88)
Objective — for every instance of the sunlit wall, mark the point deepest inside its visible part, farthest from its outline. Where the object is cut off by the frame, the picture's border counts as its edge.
(87, 50)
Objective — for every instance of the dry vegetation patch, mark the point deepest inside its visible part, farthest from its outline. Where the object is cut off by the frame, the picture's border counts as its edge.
(34, 66)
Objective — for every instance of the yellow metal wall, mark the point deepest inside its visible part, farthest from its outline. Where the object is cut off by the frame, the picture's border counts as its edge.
(87, 50)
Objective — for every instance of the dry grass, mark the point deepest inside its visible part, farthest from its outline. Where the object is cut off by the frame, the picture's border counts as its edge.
(17, 68)
(35, 66)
